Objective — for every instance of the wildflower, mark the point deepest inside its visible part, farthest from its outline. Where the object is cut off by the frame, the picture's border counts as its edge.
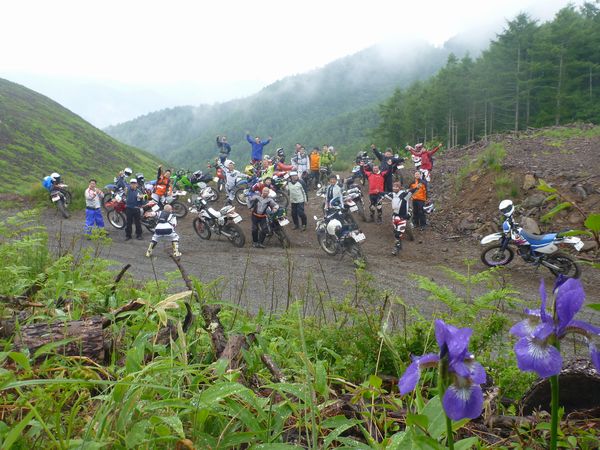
(463, 375)
(540, 333)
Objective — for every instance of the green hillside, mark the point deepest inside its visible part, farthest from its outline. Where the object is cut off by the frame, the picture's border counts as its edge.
(331, 105)
(38, 136)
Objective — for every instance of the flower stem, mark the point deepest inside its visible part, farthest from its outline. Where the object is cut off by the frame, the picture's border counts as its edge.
(554, 406)
(442, 386)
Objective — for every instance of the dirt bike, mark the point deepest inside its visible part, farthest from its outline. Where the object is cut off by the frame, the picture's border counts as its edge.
(222, 222)
(242, 189)
(353, 199)
(61, 197)
(538, 250)
(337, 238)
(115, 211)
(219, 177)
(109, 192)
(195, 184)
(275, 223)
(279, 185)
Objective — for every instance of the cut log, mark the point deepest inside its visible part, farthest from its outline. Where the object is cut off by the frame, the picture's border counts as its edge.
(579, 390)
(85, 337)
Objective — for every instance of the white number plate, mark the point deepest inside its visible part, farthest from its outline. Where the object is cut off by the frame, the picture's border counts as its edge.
(155, 208)
(237, 219)
(216, 179)
(283, 222)
(353, 208)
(359, 237)
(579, 245)
(55, 198)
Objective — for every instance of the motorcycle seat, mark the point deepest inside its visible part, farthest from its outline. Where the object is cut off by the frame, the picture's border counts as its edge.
(538, 239)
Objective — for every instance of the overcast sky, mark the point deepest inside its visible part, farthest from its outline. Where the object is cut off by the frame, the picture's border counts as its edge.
(230, 47)
(165, 41)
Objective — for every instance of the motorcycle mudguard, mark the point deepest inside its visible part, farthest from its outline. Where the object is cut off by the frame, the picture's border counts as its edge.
(491, 238)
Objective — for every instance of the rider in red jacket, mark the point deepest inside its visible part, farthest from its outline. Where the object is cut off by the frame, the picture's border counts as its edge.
(426, 158)
(376, 182)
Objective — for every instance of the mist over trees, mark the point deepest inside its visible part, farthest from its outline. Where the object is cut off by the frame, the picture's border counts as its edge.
(532, 75)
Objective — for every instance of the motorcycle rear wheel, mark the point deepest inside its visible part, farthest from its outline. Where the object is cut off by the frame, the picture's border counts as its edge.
(62, 207)
(361, 211)
(283, 238)
(357, 254)
(201, 228)
(238, 239)
(494, 256)
(568, 267)
(116, 219)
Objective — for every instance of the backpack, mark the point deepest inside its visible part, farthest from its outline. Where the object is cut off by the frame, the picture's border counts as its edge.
(164, 217)
(47, 183)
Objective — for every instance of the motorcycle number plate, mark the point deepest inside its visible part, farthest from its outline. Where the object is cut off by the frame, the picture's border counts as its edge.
(216, 179)
(283, 222)
(155, 208)
(55, 198)
(237, 219)
(401, 166)
(579, 245)
(359, 237)
(353, 208)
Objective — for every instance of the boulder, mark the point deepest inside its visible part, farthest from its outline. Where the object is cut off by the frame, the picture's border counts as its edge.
(529, 182)
(534, 201)
(530, 225)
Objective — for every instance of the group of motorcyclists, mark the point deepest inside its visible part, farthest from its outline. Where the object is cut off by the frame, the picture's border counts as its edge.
(305, 171)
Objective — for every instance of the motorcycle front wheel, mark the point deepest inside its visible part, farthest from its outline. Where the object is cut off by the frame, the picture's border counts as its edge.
(67, 196)
(238, 239)
(116, 219)
(361, 211)
(179, 209)
(494, 256)
(150, 224)
(567, 267)
(201, 228)
(282, 199)
(327, 243)
(107, 198)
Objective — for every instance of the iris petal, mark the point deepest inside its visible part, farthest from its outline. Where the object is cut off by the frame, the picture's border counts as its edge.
(463, 402)
(595, 356)
(525, 327)
(478, 375)
(538, 356)
(411, 376)
(569, 300)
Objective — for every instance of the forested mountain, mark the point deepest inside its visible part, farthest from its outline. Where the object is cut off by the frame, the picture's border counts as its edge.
(532, 75)
(38, 136)
(336, 104)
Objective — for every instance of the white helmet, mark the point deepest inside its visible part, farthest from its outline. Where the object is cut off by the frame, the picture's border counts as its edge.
(127, 171)
(333, 226)
(55, 176)
(227, 162)
(507, 208)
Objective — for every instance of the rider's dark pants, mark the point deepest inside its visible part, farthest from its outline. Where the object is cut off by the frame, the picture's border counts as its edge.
(258, 227)
(298, 213)
(419, 218)
(133, 216)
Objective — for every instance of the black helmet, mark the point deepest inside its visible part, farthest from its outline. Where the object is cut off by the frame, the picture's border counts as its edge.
(140, 177)
(280, 151)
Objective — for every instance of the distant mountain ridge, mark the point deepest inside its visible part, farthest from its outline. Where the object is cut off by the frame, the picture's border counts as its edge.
(331, 105)
(38, 136)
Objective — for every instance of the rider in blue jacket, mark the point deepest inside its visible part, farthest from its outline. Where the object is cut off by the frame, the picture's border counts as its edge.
(257, 147)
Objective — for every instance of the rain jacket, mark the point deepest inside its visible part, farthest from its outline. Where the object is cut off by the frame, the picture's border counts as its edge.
(257, 149)
(315, 161)
(420, 188)
(376, 180)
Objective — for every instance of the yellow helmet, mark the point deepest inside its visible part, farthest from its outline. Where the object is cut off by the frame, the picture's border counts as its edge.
(249, 170)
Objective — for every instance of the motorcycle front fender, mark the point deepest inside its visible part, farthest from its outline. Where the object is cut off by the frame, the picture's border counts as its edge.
(491, 238)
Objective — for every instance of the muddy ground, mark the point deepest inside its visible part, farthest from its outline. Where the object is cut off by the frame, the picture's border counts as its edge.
(271, 278)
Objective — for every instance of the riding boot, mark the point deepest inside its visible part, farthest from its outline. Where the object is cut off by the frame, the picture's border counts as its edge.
(397, 247)
(175, 245)
(379, 213)
(150, 248)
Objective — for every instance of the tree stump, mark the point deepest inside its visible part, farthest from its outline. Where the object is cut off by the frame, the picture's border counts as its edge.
(579, 389)
(85, 337)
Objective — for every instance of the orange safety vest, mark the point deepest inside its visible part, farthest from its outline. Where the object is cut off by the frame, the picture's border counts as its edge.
(161, 186)
(420, 193)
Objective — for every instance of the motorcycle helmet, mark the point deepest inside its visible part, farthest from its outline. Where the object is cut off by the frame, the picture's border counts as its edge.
(55, 177)
(127, 171)
(280, 152)
(140, 178)
(507, 208)
(333, 226)
(227, 162)
(429, 207)
(267, 157)
(249, 170)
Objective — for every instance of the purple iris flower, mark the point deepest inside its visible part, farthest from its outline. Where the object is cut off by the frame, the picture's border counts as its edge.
(463, 397)
(539, 331)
